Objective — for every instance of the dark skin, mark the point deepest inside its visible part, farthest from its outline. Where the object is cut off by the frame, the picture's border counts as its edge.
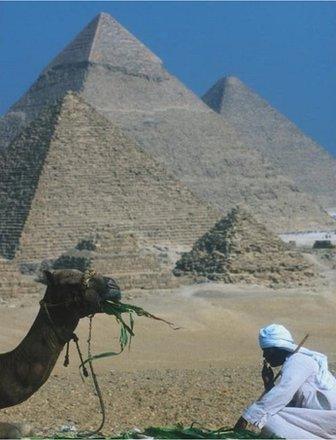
(273, 357)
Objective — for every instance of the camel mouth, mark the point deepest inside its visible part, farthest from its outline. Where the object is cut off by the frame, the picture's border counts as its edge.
(112, 296)
(113, 292)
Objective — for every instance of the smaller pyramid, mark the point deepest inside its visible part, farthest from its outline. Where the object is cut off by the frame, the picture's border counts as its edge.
(263, 128)
(239, 249)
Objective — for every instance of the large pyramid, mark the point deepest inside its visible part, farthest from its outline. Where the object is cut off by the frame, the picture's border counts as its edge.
(238, 249)
(72, 176)
(263, 128)
(128, 84)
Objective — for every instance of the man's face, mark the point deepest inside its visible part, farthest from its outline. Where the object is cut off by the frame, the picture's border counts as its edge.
(275, 356)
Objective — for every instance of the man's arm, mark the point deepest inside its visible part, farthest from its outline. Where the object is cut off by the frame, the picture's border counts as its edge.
(241, 424)
(294, 373)
(267, 375)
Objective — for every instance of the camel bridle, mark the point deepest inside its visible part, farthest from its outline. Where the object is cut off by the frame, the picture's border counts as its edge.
(87, 277)
(85, 282)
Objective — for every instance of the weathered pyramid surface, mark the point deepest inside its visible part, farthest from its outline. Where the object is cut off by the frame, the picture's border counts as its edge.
(106, 42)
(125, 82)
(72, 174)
(240, 249)
(111, 68)
(263, 128)
(133, 262)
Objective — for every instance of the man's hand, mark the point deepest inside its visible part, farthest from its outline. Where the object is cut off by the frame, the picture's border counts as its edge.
(267, 376)
(241, 424)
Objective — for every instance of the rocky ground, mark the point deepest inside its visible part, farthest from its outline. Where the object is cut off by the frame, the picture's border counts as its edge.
(207, 371)
(328, 256)
(213, 397)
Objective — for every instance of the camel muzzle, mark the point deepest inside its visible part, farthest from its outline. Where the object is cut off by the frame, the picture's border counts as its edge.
(113, 292)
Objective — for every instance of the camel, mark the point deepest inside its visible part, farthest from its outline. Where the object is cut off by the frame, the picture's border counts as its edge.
(70, 295)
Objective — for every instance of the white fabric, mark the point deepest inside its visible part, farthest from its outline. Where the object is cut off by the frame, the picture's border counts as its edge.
(311, 410)
(278, 336)
(302, 423)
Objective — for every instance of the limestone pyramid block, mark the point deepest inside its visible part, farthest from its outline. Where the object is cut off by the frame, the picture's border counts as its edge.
(72, 174)
(128, 84)
(121, 253)
(261, 127)
(238, 249)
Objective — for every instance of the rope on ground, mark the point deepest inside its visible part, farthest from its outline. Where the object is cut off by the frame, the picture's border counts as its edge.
(97, 388)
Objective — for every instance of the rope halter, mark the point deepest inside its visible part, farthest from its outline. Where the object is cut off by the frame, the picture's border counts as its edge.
(87, 276)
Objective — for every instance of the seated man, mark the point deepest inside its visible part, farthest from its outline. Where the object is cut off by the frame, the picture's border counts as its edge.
(303, 402)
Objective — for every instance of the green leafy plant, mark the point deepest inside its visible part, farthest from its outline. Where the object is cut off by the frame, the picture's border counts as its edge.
(180, 432)
(117, 309)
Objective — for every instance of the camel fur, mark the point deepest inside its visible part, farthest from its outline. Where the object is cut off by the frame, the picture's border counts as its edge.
(70, 296)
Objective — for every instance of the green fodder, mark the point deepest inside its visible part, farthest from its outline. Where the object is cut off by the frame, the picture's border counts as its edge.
(177, 432)
(180, 432)
(117, 309)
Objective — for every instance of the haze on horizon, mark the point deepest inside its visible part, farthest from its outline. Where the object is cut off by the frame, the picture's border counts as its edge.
(283, 51)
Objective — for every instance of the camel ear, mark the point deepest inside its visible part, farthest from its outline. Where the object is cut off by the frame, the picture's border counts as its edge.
(46, 277)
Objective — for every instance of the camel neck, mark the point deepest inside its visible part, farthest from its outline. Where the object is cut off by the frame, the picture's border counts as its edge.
(25, 369)
(64, 332)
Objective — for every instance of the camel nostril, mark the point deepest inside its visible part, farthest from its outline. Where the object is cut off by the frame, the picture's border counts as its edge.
(114, 295)
(113, 291)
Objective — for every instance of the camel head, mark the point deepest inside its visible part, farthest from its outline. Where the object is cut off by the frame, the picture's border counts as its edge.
(78, 293)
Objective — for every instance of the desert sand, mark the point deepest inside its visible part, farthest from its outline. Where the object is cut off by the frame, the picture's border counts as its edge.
(207, 371)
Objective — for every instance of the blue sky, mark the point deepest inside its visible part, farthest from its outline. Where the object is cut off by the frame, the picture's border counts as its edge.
(286, 51)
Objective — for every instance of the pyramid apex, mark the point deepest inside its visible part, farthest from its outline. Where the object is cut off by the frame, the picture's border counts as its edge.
(103, 14)
(71, 98)
(70, 94)
(240, 209)
(232, 79)
(229, 80)
(70, 104)
(104, 41)
(238, 214)
(214, 96)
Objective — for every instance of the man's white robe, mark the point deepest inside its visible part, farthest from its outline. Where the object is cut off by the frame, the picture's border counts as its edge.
(296, 407)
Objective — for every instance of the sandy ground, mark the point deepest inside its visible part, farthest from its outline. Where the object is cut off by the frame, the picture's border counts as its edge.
(207, 371)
